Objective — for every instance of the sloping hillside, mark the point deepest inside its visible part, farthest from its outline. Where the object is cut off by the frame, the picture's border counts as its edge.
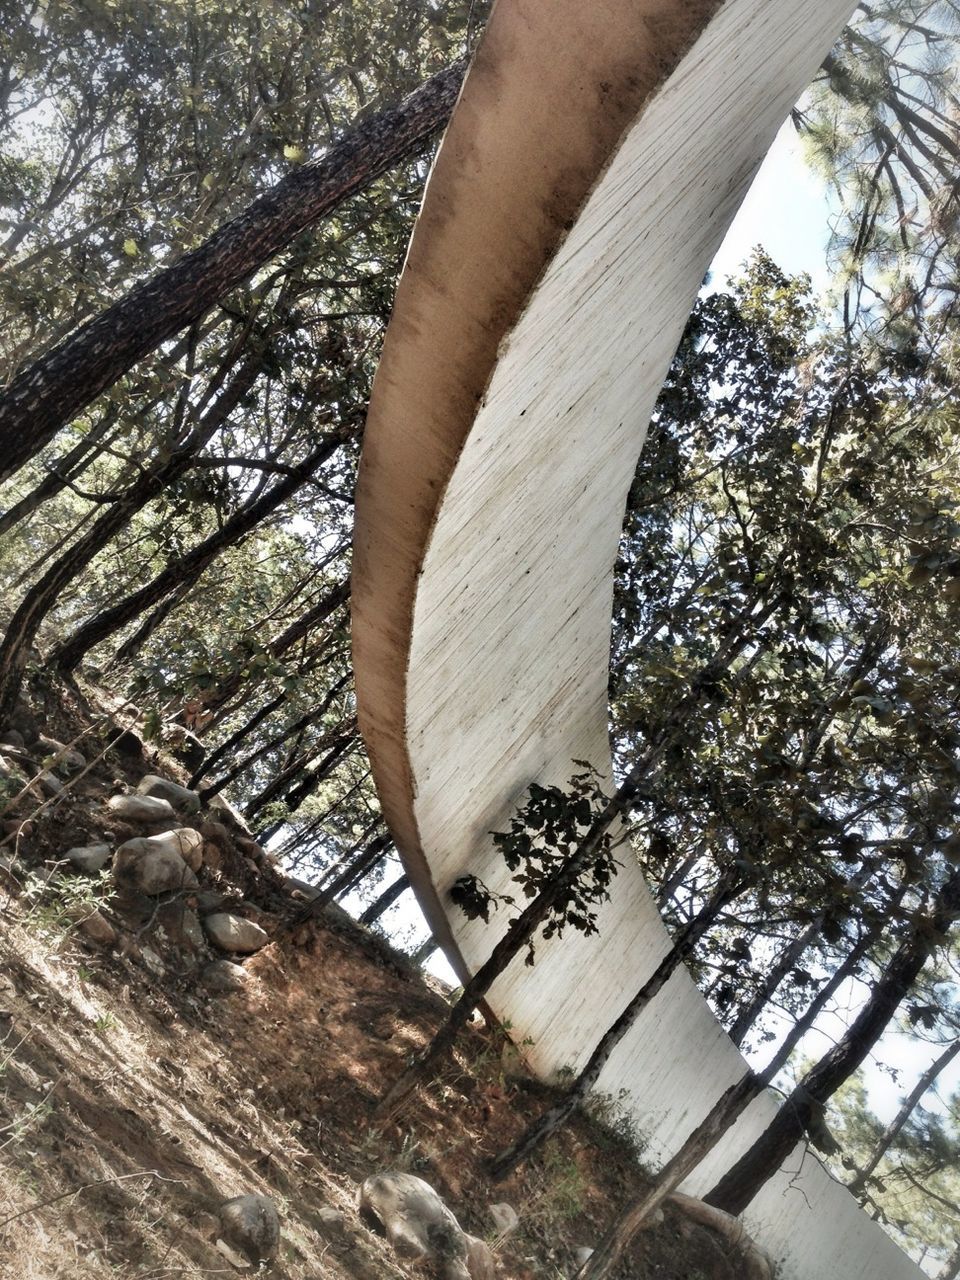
(138, 1092)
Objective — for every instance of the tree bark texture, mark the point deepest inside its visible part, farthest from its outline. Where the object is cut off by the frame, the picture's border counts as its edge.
(53, 390)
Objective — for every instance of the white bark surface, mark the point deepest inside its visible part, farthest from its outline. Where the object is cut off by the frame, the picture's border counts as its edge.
(503, 434)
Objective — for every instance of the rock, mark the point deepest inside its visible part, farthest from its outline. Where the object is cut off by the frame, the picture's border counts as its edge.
(184, 745)
(127, 742)
(222, 977)
(231, 816)
(213, 856)
(180, 797)
(50, 784)
(481, 1263)
(332, 1223)
(208, 901)
(182, 926)
(250, 1225)
(217, 834)
(504, 1217)
(96, 926)
(71, 761)
(24, 722)
(12, 738)
(581, 1257)
(250, 849)
(136, 808)
(153, 962)
(233, 933)
(187, 842)
(416, 1221)
(152, 865)
(89, 858)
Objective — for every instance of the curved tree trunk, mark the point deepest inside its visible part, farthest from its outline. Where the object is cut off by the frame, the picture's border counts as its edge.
(56, 387)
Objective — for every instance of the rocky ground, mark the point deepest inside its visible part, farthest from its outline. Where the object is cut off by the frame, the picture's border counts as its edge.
(173, 1039)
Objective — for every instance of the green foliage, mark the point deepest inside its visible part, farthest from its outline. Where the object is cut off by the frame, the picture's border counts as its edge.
(544, 835)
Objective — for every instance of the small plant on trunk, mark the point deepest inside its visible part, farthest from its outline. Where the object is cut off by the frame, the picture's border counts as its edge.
(542, 838)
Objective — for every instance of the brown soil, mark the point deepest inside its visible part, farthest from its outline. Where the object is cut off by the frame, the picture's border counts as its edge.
(132, 1102)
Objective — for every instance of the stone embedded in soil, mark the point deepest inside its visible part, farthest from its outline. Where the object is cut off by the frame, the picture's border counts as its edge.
(182, 926)
(250, 849)
(164, 789)
(480, 1260)
(231, 816)
(137, 808)
(208, 901)
(416, 1222)
(504, 1217)
(50, 784)
(71, 761)
(89, 858)
(12, 738)
(95, 925)
(223, 978)
(250, 1225)
(153, 864)
(234, 933)
(581, 1257)
(216, 834)
(333, 1223)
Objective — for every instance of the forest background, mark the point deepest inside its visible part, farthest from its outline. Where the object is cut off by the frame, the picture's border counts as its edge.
(176, 515)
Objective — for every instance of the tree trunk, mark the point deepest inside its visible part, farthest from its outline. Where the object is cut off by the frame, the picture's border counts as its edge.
(61, 473)
(951, 1268)
(522, 928)
(354, 871)
(727, 1110)
(617, 1240)
(858, 1184)
(225, 689)
(385, 901)
(687, 939)
(787, 959)
(314, 715)
(62, 382)
(44, 594)
(188, 567)
(741, 1183)
(423, 953)
(294, 797)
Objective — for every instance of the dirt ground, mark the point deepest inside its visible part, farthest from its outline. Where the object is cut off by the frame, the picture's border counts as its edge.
(133, 1102)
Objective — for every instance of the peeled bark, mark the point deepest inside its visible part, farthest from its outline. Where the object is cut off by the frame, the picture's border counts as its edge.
(62, 382)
